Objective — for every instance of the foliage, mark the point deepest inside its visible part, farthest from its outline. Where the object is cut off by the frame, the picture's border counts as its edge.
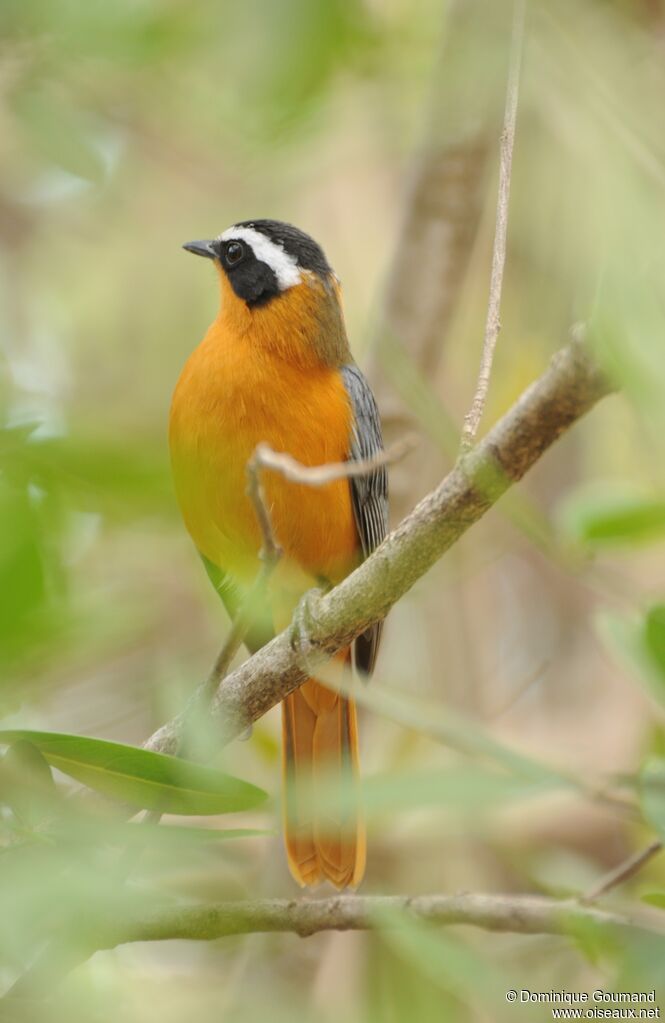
(127, 128)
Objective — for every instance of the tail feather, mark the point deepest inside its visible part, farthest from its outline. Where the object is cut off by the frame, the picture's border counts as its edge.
(320, 746)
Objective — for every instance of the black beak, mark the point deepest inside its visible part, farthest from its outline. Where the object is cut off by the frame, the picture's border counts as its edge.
(203, 248)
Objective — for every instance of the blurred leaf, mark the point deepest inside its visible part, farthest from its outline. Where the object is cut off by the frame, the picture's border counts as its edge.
(447, 727)
(30, 577)
(654, 899)
(22, 571)
(655, 741)
(561, 872)
(26, 783)
(59, 133)
(611, 515)
(142, 778)
(654, 637)
(466, 789)
(592, 940)
(639, 958)
(177, 836)
(636, 643)
(652, 793)
(98, 473)
(62, 891)
(305, 45)
(448, 962)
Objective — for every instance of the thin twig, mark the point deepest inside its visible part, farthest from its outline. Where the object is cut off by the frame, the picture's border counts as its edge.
(493, 322)
(622, 873)
(518, 692)
(321, 475)
(270, 552)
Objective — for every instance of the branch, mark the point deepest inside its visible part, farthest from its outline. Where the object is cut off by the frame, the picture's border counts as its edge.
(442, 212)
(517, 914)
(305, 916)
(493, 322)
(271, 552)
(629, 868)
(320, 475)
(570, 387)
(269, 555)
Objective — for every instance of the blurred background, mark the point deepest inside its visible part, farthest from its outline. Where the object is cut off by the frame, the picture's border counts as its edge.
(129, 128)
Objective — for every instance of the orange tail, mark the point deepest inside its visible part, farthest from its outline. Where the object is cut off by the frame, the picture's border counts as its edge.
(320, 742)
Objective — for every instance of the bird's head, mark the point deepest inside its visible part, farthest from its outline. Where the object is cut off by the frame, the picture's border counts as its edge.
(264, 258)
(272, 271)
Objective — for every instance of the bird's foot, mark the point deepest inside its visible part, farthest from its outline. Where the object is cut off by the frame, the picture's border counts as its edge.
(304, 617)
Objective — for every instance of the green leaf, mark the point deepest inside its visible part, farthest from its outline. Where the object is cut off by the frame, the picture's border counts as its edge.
(654, 899)
(23, 589)
(144, 779)
(612, 515)
(467, 790)
(635, 642)
(59, 133)
(96, 472)
(447, 961)
(171, 835)
(654, 637)
(652, 793)
(26, 784)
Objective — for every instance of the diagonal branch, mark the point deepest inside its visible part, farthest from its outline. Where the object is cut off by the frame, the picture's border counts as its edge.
(571, 385)
(619, 875)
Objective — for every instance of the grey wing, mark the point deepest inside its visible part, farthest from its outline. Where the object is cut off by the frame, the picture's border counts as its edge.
(369, 493)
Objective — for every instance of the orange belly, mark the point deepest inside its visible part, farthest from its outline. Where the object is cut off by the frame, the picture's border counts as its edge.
(228, 399)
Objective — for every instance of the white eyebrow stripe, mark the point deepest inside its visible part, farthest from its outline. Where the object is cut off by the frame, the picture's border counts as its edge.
(278, 259)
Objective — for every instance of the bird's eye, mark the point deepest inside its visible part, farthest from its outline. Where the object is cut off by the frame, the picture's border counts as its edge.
(233, 253)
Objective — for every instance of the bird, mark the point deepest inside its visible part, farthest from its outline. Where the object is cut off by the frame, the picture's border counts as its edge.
(275, 367)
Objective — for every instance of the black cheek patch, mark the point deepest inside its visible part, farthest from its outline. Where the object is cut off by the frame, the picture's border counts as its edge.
(254, 282)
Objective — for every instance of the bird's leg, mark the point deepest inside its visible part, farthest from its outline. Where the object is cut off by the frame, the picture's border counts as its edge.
(305, 614)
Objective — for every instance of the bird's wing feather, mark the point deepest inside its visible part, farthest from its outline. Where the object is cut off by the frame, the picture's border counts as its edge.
(369, 493)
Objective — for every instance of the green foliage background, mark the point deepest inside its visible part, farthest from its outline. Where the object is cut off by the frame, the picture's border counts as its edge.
(129, 127)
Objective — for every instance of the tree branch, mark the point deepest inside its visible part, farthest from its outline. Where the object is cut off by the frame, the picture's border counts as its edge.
(618, 875)
(572, 384)
(439, 224)
(269, 556)
(493, 322)
(320, 475)
(518, 914)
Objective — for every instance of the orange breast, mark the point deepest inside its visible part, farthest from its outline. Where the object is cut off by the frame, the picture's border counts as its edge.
(232, 394)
